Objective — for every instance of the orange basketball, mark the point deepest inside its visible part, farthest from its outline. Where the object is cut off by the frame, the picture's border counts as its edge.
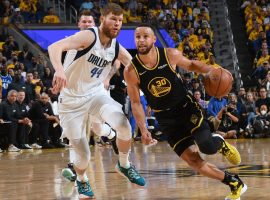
(218, 82)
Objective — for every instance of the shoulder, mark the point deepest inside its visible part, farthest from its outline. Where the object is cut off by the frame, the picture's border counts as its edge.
(130, 74)
(173, 54)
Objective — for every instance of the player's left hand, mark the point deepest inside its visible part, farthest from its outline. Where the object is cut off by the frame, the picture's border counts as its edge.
(147, 138)
(106, 83)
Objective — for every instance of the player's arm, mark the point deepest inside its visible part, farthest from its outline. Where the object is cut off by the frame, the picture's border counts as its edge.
(80, 40)
(124, 56)
(176, 58)
(137, 109)
(116, 66)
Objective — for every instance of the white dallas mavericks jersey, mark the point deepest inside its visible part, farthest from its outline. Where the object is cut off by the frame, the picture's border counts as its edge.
(88, 68)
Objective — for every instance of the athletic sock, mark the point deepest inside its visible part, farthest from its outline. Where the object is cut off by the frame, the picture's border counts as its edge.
(123, 159)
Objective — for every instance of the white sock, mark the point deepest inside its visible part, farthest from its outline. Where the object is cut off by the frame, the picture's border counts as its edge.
(123, 159)
(111, 134)
(72, 155)
(82, 178)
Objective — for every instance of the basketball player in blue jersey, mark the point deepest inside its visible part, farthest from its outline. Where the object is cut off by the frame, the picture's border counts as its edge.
(80, 84)
(153, 70)
(86, 21)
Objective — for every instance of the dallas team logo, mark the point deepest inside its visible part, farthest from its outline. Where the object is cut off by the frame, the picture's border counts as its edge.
(159, 86)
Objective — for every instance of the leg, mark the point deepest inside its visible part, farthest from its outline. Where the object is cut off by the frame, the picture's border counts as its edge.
(82, 158)
(194, 160)
(192, 157)
(211, 144)
(114, 116)
(223, 134)
(103, 129)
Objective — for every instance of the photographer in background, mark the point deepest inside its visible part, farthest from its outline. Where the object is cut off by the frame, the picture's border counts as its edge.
(229, 117)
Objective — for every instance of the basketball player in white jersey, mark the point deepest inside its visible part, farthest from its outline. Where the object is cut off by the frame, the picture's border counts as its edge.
(86, 21)
(82, 93)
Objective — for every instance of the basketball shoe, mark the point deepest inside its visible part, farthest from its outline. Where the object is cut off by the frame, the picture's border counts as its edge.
(84, 190)
(131, 174)
(229, 151)
(236, 185)
(69, 173)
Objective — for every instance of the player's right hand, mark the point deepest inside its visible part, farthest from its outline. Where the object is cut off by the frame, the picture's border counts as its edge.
(59, 81)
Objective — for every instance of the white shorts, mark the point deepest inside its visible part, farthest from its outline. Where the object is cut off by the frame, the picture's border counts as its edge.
(74, 112)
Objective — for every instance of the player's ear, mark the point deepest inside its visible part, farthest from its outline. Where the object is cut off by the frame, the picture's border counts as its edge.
(155, 39)
(101, 19)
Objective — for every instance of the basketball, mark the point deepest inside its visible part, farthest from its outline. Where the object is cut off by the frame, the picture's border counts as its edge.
(218, 82)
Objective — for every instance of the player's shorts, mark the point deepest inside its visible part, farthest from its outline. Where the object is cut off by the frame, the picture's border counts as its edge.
(74, 111)
(179, 122)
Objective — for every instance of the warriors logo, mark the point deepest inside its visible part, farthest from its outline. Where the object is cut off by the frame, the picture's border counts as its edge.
(159, 86)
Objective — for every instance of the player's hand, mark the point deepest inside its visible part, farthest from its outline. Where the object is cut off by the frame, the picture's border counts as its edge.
(147, 138)
(106, 83)
(59, 81)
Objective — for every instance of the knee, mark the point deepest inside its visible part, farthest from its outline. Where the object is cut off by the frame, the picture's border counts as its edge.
(208, 148)
(123, 128)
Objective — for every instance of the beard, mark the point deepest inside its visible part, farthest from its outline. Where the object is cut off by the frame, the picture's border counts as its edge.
(107, 31)
(146, 50)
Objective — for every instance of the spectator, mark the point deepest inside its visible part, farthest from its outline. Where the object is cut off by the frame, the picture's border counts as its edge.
(12, 44)
(215, 105)
(28, 10)
(201, 102)
(263, 100)
(16, 17)
(6, 80)
(17, 83)
(11, 114)
(266, 83)
(228, 116)
(25, 56)
(55, 130)
(47, 78)
(260, 73)
(23, 128)
(248, 111)
(261, 124)
(37, 66)
(86, 5)
(265, 57)
(30, 94)
(51, 17)
(40, 130)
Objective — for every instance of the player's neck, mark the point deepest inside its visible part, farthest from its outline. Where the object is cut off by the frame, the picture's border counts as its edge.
(149, 59)
(104, 40)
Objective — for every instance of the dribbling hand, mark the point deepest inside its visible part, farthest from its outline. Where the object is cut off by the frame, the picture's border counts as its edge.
(59, 81)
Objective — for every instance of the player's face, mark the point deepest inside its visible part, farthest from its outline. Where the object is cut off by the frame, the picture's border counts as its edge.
(86, 22)
(111, 25)
(144, 39)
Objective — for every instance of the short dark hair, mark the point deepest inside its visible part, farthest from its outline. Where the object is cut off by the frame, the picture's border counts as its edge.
(111, 8)
(84, 12)
(147, 25)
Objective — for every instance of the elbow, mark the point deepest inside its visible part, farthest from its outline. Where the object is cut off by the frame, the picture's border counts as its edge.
(50, 48)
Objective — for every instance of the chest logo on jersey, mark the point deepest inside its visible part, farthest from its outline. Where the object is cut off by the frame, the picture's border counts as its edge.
(98, 61)
(159, 86)
(162, 66)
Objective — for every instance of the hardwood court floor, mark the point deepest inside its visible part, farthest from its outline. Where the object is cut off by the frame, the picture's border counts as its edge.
(36, 175)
